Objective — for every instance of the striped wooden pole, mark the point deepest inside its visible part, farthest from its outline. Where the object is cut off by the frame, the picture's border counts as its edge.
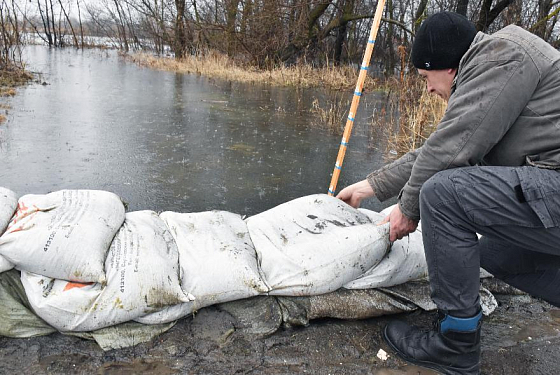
(357, 95)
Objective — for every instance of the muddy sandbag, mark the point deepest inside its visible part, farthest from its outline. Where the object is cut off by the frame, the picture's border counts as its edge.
(124, 335)
(259, 316)
(19, 321)
(404, 262)
(16, 316)
(167, 314)
(217, 258)
(142, 277)
(315, 244)
(63, 235)
(368, 303)
(8, 206)
(341, 304)
(497, 286)
(418, 292)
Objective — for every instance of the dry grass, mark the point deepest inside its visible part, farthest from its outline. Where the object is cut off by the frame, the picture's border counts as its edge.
(218, 65)
(9, 79)
(332, 114)
(409, 115)
(7, 91)
(14, 77)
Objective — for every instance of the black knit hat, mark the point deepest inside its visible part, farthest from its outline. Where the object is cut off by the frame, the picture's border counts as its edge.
(441, 41)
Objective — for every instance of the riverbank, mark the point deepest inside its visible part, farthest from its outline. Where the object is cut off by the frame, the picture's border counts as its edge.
(10, 79)
(217, 65)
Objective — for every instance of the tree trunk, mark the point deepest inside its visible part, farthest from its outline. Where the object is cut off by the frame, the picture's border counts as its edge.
(46, 22)
(390, 63)
(462, 6)
(231, 16)
(418, 16)
(69, 24)
(544, 9)
(342, 30)
(487, 15)
(180, 43)
(81, 25)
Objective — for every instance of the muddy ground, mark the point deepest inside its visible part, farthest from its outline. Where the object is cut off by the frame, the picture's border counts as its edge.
(521, 337)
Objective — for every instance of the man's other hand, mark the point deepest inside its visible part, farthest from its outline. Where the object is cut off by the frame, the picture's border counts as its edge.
(354, 194)
(400, 224)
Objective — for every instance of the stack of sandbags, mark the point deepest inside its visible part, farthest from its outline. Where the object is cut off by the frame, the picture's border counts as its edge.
(315, 244)
(143, 276)
(63, 235)
(160, 268)
(8, 205)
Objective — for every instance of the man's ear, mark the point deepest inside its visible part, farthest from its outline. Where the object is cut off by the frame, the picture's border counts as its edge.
(452, 71)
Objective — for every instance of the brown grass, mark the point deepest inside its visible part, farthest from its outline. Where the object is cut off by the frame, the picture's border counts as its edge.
(409, 115)
(9, 79)
(14, 77)
(218, 65)
(7, 91)
(332, 114)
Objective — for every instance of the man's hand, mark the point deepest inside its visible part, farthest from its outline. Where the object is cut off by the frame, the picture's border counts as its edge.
(354, 194)
(400, 224)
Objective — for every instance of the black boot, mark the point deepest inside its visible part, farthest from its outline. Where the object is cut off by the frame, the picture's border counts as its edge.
(453, 347)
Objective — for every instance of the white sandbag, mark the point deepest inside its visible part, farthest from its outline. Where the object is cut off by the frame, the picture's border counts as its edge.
(143, 276)
(8, 205)
(63, 235)
(168, 314)
(5, 265)
(218, 261)
(404, 262)
(315, 244)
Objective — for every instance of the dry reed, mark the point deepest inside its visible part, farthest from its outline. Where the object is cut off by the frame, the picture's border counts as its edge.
(409, 115)
(217, 65)
(332, 114)
(7, 91)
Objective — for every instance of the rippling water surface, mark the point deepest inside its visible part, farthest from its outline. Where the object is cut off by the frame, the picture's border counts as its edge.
(167, 141)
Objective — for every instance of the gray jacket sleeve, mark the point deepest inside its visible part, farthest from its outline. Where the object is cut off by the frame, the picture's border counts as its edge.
(494, 84)
(389, 180)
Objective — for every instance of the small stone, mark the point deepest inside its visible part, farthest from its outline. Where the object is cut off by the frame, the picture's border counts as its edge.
(382, 355)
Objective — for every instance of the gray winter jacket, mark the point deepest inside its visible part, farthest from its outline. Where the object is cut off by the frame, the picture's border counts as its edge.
(504, 110)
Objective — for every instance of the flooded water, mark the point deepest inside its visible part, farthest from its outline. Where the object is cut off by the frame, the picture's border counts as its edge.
(166, 141)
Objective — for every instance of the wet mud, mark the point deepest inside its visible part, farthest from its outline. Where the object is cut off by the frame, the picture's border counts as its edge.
(521, 337)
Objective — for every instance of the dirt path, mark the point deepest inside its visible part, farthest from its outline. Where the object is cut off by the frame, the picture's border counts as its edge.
(521, 337)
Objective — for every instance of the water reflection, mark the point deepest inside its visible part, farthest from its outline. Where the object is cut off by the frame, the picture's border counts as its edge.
(168, 141)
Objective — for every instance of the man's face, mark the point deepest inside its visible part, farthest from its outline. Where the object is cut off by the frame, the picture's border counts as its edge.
(439, 82)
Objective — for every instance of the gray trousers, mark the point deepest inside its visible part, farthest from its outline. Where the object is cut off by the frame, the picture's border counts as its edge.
(517, 212)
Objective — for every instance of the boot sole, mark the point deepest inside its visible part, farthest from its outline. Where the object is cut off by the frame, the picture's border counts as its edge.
(430, 365)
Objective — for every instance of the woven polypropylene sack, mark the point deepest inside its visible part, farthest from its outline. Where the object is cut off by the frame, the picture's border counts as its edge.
(63, 235)
(8, 205)
(218, 260)
(315, 245)
(143, 276)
